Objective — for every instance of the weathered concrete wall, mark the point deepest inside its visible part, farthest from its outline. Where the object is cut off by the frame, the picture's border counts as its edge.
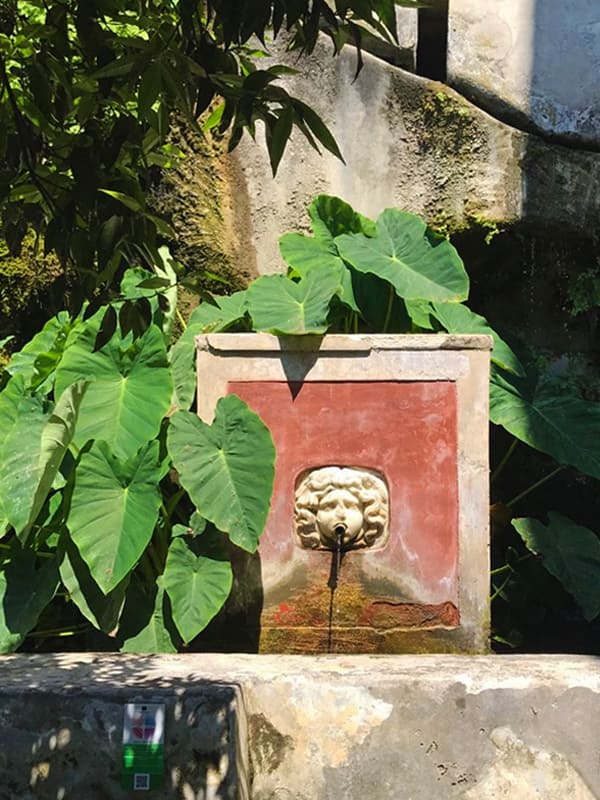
(294, 728)
(416, 144)
(524, 212)
(537, 60)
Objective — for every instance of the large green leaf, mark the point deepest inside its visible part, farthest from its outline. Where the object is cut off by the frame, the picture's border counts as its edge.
(457, 318)
(32, 446)
(129, 392)
(207, 317)
(281, 306)
(23, 418)
(571, 553)
(303, 254)
(226, 311)
(147, 622)
(407, 254)
(102, 610)
(24, 594)
(562, 425)
(227, 467)
(56, 437)
(380, 307)
(159, 287)
(50, 340)
(332, 217)
(114, 508)
(197, 578)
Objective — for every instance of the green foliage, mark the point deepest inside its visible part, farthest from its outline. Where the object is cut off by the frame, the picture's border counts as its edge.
(395, 275)
(281, 306)
(87, 443)
(560, 424)
(227, 468)
(90, 93)
(86, 496)
(408, 255)
(27, 585)
(571, 553)
(26, 279)
(197, 578)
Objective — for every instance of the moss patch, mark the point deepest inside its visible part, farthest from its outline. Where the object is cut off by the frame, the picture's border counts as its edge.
(25, 281)
(203, 201)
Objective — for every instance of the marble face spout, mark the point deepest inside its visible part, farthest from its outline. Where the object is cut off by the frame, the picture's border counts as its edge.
(341, 503)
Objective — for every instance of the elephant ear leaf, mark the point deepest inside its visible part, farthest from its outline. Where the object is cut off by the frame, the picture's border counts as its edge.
(24, 593)
(406, 253)
(333, 217)
(284, 307)
(129, 392)
(114, 508)
(227, 468)
(197, 578)
(561, 424)
(571, 553)
(457, 318)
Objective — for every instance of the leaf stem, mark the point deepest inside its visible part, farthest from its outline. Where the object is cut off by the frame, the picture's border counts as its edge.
(533, 486)
(59, 631)
(388, 313)
(180, 319)
(505, 567)
(154, 558)
(499, 590)
(504, 460)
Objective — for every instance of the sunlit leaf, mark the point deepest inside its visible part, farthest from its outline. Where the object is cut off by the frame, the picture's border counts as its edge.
(281, 306)
(129, 391)
(205, 318)
(22, 421)
(114, 508)
(457, 318)
(52, 337)
(227, 468)
(407, 254)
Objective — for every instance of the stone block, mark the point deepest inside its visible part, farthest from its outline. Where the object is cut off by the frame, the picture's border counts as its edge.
(377, 537)
(242, 727)
(61, 729)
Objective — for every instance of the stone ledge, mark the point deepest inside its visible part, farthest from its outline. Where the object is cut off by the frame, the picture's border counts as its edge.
(336, 342)
(298, 728)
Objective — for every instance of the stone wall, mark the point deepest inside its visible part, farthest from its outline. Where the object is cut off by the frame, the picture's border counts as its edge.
(298, 728)
(523, 211)
(533, 61)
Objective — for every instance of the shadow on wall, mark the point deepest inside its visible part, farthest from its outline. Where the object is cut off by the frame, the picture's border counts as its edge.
(59, 740)
(564, 102)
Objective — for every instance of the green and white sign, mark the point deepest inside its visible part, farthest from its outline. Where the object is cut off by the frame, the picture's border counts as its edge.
(143, 746)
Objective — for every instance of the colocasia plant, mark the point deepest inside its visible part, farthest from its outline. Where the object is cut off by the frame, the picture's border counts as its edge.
(116, 498)
(92, 508)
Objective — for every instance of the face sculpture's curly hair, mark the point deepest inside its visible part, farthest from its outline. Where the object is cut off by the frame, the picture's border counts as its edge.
(368, 488)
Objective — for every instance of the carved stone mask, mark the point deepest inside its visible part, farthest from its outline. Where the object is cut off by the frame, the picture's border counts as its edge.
(341, 502)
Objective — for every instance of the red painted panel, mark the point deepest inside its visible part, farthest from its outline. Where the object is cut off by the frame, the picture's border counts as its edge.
(405, 430)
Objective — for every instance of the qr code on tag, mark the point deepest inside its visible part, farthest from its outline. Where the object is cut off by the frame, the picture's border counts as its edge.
(141, 781)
